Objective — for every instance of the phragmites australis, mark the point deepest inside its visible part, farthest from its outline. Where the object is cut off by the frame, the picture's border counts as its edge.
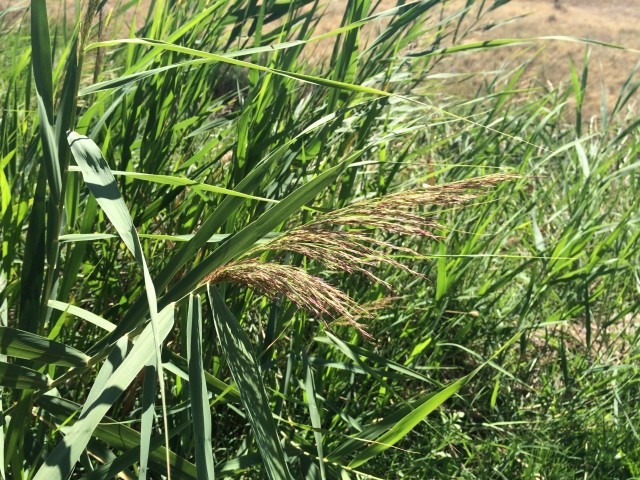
(344, 240)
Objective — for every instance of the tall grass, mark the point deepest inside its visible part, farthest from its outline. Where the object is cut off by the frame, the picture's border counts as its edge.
(225, 258)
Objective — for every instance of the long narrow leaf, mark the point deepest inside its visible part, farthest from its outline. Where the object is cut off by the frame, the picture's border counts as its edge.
(20, 344)
(200, 409)
(146, 423)
(185, 182)
(61, 460)
(19, 377)
(245, 371)
(314, 413)
(100, 180)
(121, 437)
(400, 429)
(90, 317)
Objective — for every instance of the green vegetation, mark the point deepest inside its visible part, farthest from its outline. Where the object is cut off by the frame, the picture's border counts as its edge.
(321, 269)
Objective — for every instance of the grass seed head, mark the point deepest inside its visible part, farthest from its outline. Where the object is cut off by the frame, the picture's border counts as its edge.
(344, 240)
(300, 288)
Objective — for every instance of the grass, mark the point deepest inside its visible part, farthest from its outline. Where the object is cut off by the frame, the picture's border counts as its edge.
(222, 261)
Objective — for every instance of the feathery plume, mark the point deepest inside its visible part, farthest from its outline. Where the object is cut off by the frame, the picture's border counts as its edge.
(343, 240)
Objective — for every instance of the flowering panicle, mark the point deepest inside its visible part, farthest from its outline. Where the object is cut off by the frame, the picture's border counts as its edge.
(343, 240)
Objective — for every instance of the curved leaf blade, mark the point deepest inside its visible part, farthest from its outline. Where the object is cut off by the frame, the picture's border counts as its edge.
(29, 346)
(401, 428)
(64, 456)
(20, 378)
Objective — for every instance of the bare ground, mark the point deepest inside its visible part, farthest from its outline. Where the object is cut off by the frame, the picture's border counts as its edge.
(612, 21)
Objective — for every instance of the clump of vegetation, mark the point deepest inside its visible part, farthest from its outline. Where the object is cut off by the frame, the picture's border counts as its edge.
(314, 269)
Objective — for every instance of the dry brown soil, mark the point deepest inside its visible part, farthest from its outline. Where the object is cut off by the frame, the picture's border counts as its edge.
(613, 21)
(610, 21)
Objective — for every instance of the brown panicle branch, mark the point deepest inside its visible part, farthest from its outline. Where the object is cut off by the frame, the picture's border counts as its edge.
(343, 240)
(303, 290)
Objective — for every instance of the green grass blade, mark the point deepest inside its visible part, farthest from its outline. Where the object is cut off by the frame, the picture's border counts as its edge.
(146, 422)
(200, 410)
(122, 437)
(43, 76)
(244, 368)
(20, 378)
(583, 160)
(50, 148)
(20, 344)
(90, 237)
(212, 57)
(90, 317)
(41, 56)
(74, 259)
(102, 183)
(115, 358)
(442, 281)
(179, 366)
(245, 52)
(111, 469)
(185, 182)
(100, 180)
(314, 413)
(64, 456)
(32, 274)
(4, 320)
(401, 428)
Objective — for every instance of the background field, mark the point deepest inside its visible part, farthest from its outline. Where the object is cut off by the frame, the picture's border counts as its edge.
(613, 21)
(231, 252)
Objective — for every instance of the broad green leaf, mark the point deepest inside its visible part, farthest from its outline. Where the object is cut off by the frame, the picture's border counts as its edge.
(115, 358)
(100, 180)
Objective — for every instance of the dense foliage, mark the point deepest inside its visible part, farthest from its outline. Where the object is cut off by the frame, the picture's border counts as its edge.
(283, 263)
